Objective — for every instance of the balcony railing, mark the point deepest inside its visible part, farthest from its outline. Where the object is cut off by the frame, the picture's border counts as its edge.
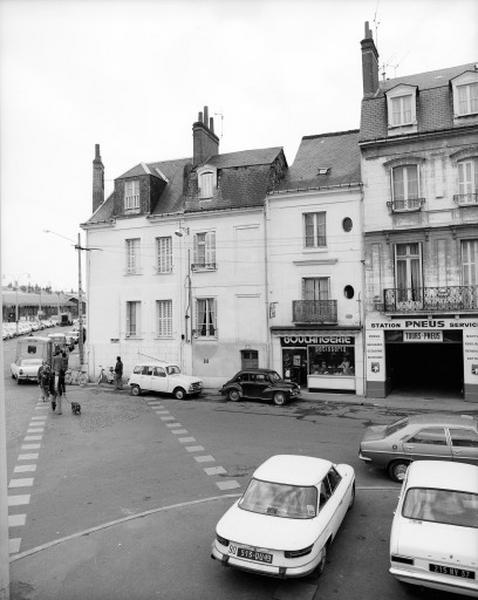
(408, 205)
(431, 299)
(314, 311)
(470, 199)
(203, 266)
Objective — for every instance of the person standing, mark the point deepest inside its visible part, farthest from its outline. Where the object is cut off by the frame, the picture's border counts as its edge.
(44, 381)
(57, 365)
(118, 374)
(63, 370)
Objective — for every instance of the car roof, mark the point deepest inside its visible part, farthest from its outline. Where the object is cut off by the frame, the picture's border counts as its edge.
(155, 363)
(255, 370)
(293, 469)
(442, 419)
(443, 474)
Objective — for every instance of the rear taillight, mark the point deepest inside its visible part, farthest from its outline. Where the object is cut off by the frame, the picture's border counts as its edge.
(297, 553)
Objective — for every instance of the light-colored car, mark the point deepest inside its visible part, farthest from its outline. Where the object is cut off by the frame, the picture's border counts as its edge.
(290, 512)
(434, 536)
(25, 369)
(164, 377)
(429, 437)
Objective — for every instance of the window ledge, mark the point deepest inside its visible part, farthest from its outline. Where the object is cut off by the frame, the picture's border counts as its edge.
(157, 272)
(133, 337)
(164, 337)
(132, 273)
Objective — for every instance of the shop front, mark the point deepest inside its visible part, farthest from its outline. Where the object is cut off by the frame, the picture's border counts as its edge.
(422, 356)
(319, 361)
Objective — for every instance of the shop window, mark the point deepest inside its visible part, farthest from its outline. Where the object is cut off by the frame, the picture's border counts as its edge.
(336, 356)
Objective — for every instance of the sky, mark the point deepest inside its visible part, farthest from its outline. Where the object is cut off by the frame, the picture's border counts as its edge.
(132, 75)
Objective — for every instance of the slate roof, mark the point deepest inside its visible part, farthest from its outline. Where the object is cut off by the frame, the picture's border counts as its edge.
(339, 152)
(429, 79)
(243, 158)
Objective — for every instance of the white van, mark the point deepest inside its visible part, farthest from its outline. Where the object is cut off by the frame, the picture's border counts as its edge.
(165, 377)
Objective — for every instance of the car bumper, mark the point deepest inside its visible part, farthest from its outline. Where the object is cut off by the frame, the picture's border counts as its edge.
(281, 571)
(364, 458)
(444, 583)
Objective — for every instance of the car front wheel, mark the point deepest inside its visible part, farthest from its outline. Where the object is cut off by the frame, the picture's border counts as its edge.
(135, 390)
(233, 395)
(280, 399)
(323, 558)
(397, 470)
(179, 394)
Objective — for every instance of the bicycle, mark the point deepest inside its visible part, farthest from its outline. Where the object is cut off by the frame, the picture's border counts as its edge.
(76, 377)
(106, 376)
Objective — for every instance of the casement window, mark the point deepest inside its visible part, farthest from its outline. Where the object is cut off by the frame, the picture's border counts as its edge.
(467, 96)
(405, 186)
(315, 288)
(401, 110)
(204, 251)
(133, 247)
(468, 181)
(133, 314)
(131, 195)
(164, 311)
(314, 230)
(469, 259)
(206, 317)
(164, 254)
(408, 271)
(206, 184)
(401, 107)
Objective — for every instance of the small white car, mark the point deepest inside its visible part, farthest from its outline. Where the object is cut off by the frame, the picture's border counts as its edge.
(164, 377)
(25, 369)
(434, 536)
(289, 514)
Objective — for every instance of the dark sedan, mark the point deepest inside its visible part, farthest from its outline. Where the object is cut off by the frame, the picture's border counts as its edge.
(260, 384)
(426, 437)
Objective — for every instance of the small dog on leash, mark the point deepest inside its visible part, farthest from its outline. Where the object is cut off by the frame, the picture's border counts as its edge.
(76, 408)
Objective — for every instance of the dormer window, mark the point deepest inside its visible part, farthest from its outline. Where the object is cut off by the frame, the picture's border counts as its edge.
(131, 195)
(465, 94)
(401, 106)
(206, 181)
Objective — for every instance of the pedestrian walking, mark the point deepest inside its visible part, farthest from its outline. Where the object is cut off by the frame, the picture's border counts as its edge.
(44, 381)
(118, 374)
(63, 370)
(57, 365)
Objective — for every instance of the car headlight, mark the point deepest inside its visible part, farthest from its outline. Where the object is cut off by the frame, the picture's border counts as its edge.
(20, 371)
(222, 540)
(297, 553)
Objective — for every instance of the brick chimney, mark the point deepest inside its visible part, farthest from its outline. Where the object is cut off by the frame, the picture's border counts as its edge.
(98, 179)
(369, 63)
(205, 141)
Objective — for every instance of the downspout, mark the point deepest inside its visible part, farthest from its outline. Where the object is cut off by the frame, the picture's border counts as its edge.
(266, 286)
(363, 296)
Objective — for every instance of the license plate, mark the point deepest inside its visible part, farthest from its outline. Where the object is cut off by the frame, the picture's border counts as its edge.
(444, 570)
(256, 555)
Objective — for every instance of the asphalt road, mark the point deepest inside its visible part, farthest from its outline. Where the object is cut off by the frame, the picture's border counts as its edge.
(122, 458)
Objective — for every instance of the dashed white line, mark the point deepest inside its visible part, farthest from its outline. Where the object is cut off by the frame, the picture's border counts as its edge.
(23, 482)
(17, 520)
(30, 446)
(14, 545)
(170, 418)
(195, 448)
(204, 458)
(32, 438)
(25, 468)
(186, 440)
(228, 485)
(36, 430)
(215, 470)
(19, 500)
(42, 407)
(39, 418)
(162, 412)
(179, 431)
(171, 425)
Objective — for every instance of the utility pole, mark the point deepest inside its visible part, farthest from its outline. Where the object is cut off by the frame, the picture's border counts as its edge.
(80, 301)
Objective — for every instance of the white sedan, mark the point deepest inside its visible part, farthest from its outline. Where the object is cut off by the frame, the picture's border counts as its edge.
(25, 369)
(286, 519)
(434, 537)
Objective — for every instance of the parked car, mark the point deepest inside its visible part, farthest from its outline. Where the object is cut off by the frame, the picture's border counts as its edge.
(284, 522)
(165, 377)
(260, 384)
(434, 536)
(25, 369)
(434, 437)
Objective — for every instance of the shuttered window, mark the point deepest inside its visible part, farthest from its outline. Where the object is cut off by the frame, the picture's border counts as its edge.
(133, 318)
(205, 250)
(164, 309)
(131, 195)
(133, 256)
(314, 230)
(164, 254)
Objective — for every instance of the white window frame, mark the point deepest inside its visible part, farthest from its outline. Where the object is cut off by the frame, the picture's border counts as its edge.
(131, 195)
(469, 259)
(210, 315)
(133, 318)
(207, 182)
(318, 222)
(465, 94)
(399, 96)
(204, 251)
(410, 292)
(468, 180)
(409, 201)
(164, 318)
(321, 288)
(133, 256)
(164, 254)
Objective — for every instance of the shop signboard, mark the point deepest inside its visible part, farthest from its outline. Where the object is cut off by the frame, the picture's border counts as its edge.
(421, 335)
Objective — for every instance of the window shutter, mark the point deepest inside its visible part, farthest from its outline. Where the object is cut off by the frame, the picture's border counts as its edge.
(210, 254)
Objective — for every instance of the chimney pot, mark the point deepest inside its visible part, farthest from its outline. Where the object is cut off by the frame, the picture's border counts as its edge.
(205, 141)
(369, 63)
(200, 117)
(211, 124)
(206, 115)
(98, 180)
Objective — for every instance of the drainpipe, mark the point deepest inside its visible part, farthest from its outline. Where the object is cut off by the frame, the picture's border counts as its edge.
(363, 296)
(266, 286)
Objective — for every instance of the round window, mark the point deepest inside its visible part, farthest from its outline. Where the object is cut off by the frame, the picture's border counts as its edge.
(347, 224)
(349, 291)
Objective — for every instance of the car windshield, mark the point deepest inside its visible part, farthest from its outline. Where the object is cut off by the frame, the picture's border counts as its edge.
(450, 507)
(280, 500)
(173, 370)
(396, 426)
(274, 376)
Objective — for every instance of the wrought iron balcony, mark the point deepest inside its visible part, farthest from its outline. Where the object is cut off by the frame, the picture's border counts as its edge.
(203, 266)
(470, 199)
(314, 311)
(407, 205)
(431, 299)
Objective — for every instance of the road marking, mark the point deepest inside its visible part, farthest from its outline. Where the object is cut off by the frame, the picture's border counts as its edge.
(39, 418)
(14, 545)
(30, 446)
(215, 470)
(195, 448)
(109, 524)
(204, 458)
(36, 430)
(170, 418)
(32, 438)
(228, 485)
(31, 456)
(42, 407)
(19, 500)
(24, 468)
(24, 482)
(16, 520)
(173, 425)
(162, 412)
(186, 440)
(179, 431)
